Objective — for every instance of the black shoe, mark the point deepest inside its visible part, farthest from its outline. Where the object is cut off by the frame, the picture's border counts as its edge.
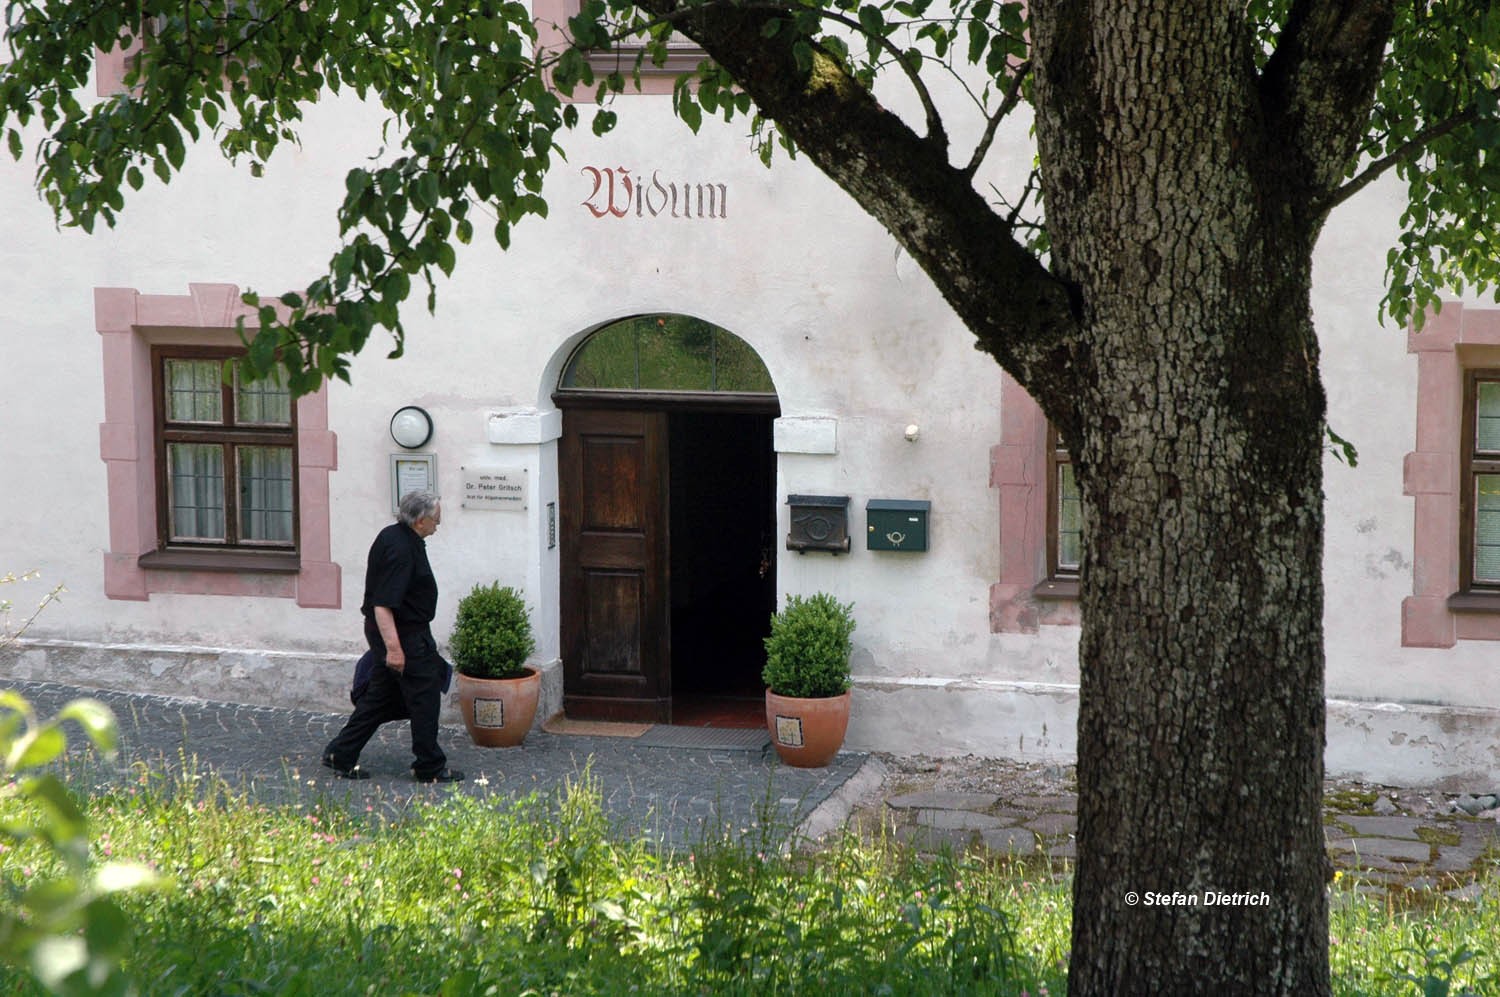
(447, 775)
(352, 772)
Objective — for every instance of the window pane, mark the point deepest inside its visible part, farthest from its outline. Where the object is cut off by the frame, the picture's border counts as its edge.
(1487, 417)
(677, 354)
(266, 402)
(667, 353)
(607, 360)
(1487, 528)
(738, 368)
(194, 391)
(265, 493)
(196, 476)
(1069, 520)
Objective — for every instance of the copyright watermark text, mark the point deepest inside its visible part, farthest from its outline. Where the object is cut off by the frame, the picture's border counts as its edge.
(1202, 898)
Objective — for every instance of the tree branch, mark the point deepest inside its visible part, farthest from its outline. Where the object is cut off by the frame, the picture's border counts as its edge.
(1408, 150)
(908, 185)
(935, 131)
(1317, 87)
(1012, 98)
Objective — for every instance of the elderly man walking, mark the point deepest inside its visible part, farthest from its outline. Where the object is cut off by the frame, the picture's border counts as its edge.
(409, 675)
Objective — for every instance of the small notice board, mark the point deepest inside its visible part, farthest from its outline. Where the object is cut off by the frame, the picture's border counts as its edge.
(494, 487)
(411, 472)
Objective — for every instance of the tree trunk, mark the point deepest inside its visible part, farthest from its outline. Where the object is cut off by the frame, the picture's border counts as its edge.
(1196, 440)
(1170, 341)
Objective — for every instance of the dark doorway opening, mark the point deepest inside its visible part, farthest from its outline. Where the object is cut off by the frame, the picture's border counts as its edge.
(722, 485)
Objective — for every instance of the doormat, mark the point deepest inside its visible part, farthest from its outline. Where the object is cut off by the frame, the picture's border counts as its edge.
(593, 728)
(713, 738)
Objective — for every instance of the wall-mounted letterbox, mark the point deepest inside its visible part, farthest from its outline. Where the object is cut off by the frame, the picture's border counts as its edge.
(819, 522)
(896, 524)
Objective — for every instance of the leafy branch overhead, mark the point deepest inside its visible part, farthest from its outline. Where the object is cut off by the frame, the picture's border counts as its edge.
(475, 117)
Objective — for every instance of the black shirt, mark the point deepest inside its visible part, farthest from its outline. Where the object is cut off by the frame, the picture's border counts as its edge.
(398, 577)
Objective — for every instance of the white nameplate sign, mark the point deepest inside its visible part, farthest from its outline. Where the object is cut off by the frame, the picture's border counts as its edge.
(494, 487)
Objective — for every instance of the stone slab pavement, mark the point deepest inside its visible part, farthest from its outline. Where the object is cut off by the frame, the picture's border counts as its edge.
(1434, 846)
(678, 795)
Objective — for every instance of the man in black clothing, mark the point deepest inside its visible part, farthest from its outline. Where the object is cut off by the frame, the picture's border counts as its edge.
(409, 676)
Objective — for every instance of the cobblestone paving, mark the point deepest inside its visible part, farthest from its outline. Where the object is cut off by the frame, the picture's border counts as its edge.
(674, 794)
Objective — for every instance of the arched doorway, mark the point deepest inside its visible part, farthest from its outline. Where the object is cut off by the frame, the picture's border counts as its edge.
(666, 494)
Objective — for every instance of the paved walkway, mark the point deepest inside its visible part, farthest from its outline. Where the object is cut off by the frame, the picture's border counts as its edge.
(1384, 839)
(676, 794)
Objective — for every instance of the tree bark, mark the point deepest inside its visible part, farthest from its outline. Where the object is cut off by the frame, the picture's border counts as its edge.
(1200, 734)
(1171, 342)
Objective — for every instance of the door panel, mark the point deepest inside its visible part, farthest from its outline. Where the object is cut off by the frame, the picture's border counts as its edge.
(615, 614)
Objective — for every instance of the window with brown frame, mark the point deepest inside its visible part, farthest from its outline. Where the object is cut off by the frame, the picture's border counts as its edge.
(226, 458)
(1064, 512)
(1479, 502)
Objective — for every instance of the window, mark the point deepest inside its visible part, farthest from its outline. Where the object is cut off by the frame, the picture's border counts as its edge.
(1041, 535)
(1064, 512)
(226, 451)
(1453, 479)
(666, 353)
(1479, 514)
(683, 55)
(246, 522)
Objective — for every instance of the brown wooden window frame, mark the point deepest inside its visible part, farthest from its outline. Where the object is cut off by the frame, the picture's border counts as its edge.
(1474, 462)
(1057, 458)
(233, 553)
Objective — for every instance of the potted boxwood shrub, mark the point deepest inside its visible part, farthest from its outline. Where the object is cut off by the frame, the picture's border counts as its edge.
(807, 679)
(491, 641)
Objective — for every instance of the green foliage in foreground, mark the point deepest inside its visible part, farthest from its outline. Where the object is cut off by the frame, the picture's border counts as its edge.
(539, 896)
(62, 923)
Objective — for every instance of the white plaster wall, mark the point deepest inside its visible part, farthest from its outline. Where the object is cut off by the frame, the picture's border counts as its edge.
(849, 330)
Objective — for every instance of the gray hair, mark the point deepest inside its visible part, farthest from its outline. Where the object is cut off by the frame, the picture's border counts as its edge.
(415, 505)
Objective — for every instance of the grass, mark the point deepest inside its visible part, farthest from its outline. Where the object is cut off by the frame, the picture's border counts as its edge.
(542, 896)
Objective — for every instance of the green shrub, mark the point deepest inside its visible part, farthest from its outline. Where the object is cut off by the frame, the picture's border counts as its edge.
(492, 637)
(807, 653)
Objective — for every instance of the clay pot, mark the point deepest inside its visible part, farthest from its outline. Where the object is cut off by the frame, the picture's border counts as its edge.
(807, 733)
(498, 712)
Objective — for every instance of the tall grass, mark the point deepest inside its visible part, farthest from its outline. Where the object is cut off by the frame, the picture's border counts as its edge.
(542, 896)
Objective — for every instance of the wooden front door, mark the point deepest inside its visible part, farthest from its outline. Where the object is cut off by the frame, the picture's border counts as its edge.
(616, 630)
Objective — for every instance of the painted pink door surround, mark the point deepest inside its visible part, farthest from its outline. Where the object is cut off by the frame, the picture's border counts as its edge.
(1019, 601)
(129, 323)
(1453, 341)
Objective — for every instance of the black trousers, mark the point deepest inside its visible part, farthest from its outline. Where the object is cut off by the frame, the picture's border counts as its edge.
(416, 693)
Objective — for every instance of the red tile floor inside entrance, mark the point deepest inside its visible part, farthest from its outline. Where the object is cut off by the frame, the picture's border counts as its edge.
(718, 711)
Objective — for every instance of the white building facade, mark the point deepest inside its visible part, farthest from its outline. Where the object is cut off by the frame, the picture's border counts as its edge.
(652, 526)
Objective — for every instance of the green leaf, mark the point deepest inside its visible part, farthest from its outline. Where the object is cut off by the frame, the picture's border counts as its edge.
(14, 138)
(68, 820)
(97, 721)
(37, 748)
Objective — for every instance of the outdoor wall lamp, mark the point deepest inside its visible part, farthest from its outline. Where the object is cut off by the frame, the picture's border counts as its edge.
(411, 427)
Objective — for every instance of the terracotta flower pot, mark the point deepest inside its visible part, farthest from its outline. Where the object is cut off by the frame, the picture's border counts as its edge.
(807, 733)
(498, 712)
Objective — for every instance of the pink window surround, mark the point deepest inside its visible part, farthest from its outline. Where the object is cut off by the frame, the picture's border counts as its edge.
(1024, 598)
(129, 323)
(551, 17)
(1457, 339)
(110, 68)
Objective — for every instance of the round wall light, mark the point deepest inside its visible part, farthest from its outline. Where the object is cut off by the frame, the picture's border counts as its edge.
(411, 427)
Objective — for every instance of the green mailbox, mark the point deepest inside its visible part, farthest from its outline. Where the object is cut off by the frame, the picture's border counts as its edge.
(896, 524)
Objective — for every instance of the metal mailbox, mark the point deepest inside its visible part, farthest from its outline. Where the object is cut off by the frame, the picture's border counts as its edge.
(897, 524)
(819, 522)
